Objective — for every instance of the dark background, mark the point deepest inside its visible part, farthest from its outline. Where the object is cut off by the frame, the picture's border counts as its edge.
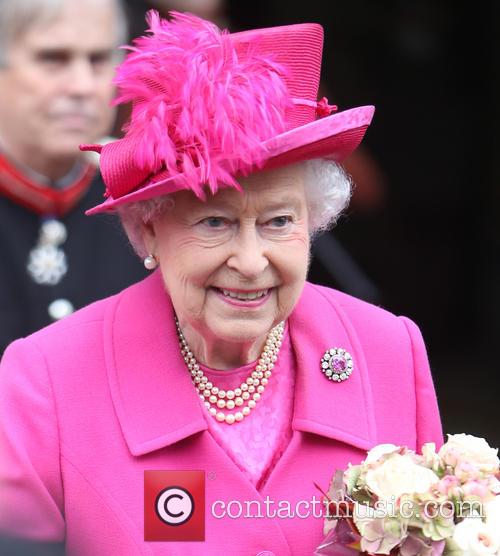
(423, 227)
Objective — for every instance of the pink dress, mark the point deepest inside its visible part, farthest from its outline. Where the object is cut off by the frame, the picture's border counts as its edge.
(256, 443)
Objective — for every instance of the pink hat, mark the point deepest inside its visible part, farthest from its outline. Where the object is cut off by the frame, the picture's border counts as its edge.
(209, 106)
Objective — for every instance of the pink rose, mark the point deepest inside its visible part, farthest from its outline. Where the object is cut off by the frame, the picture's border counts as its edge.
(466, 471)
(476, 488)
(448, 485)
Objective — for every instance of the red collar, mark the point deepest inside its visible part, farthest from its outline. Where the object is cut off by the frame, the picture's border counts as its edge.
(42, 199)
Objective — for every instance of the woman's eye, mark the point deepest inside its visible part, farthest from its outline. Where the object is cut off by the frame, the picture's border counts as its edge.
(214, 222)
(280, 221)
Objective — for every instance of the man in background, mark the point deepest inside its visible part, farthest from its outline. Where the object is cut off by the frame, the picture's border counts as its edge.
(57, 60)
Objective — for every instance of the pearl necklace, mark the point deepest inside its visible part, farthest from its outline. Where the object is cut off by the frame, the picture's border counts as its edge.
(249, 391)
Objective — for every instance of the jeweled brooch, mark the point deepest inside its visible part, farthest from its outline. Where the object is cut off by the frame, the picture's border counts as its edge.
(337, 364)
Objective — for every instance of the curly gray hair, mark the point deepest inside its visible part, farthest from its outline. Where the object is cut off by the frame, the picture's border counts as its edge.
(328, 190)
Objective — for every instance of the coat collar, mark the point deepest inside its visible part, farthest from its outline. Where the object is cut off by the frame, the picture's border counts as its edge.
(152, 392)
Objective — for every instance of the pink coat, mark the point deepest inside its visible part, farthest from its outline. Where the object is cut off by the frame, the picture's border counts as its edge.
(91, 402)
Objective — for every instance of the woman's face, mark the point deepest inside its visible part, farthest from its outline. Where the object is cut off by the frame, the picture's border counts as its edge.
(236, 264)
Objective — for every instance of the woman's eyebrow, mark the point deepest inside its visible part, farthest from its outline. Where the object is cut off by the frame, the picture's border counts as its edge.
(285, 203)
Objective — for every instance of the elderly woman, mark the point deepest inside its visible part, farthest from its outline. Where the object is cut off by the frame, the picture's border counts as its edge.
(224, 364)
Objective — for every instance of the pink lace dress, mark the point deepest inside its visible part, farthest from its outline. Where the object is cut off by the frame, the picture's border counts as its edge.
(256, 443)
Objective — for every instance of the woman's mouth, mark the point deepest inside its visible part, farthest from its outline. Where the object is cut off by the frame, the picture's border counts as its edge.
(244, 298)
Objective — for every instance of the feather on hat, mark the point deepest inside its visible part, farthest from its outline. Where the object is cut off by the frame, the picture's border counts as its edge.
(209, 106)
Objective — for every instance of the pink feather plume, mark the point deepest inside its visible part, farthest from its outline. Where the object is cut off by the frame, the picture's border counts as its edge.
(200, 110)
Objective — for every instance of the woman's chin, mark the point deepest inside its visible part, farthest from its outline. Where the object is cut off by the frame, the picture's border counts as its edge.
(241, 330)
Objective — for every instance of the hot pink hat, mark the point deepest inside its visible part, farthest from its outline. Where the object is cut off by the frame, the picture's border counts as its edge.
(209, 106)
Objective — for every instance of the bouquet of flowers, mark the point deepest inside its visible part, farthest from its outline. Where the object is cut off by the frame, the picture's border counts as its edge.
(397, 502)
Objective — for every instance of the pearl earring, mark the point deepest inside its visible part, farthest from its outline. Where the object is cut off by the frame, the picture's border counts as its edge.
(150, 262)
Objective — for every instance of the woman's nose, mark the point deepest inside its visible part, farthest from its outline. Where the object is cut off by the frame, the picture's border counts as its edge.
(249, 256)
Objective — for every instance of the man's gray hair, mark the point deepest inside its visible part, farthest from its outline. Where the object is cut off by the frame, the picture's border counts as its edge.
(328, 190)
(18, 15)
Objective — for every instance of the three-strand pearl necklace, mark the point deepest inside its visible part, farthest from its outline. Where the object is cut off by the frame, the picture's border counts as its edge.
(244, 398)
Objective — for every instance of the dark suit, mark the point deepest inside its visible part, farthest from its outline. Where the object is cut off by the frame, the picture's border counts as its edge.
(100, 262)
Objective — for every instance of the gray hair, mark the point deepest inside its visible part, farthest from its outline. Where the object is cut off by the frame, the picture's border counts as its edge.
(18, 15)
(328, 190)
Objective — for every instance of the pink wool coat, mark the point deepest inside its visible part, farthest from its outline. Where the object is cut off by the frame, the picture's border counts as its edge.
(91, 402)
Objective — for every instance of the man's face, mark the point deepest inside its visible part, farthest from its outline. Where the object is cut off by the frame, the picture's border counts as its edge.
(55, 89)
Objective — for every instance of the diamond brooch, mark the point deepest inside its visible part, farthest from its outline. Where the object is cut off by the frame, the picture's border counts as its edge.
(336, 364)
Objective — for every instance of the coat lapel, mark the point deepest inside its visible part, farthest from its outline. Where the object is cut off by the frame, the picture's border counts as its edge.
(337, 410)
(151, 389)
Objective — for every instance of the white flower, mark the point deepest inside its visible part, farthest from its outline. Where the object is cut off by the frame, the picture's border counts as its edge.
(492, 512)
(471, 450)
(429, 450)
(430, 457)
(476, 538)
(398, 475)
(494, 485)
(376, 453)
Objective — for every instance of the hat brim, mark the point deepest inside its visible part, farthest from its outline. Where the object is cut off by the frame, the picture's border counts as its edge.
(333, 137)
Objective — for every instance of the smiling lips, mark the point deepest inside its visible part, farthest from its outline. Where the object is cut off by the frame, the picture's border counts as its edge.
(243, 295)
(254, 297)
